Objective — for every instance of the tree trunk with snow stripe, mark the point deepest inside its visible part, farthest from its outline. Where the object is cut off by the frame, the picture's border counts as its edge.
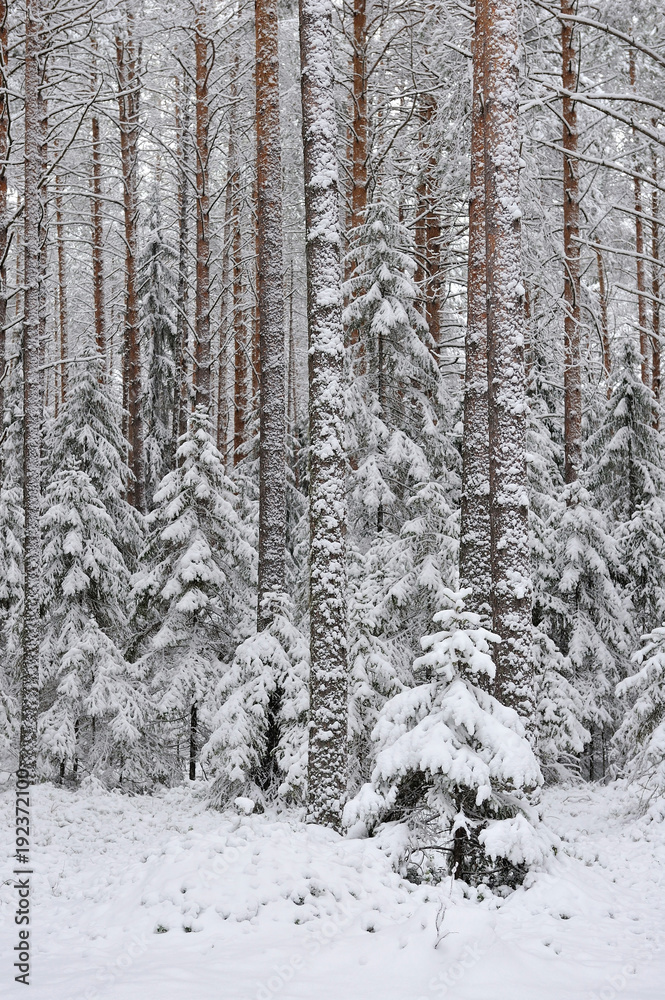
(328, 611)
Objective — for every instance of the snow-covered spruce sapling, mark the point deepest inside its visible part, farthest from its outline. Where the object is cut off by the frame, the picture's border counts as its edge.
(95, 705)
(258, 746)
(640, 740)
(454, 763)
(194, 592)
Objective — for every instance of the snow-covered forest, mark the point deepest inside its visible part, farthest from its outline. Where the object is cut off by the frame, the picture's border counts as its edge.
(332, 497)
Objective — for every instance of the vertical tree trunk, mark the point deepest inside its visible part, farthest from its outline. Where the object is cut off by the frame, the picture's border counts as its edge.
(432, 233)
(202, 314)
(359, 129)
(655, 284)
(327, 766)
(43, 234)
(129, 86)
(474, 555)
(240, 361)
(272, 464)
(572, 376)
(604, 323)
(97, 228)
(32, 399)
(640, 263)
(256, 322)
(180, 361)
(62, 290)
(511, 584)
(193, 740)
(4, 234)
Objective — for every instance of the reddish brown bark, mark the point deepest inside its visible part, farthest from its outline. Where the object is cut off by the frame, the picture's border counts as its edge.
(571, 248)
(202, 312)
(180, 361)
(129, 86)
(256, 323)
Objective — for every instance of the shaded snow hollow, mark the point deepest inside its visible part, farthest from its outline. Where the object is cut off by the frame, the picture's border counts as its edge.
(157, 898)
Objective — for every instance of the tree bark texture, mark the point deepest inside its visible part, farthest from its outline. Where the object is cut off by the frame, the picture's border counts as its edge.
(509, 505)
(62, 291)
(474, 556)
(655, 285)
(4, 230)
(97, 227)
(640, 266)
(129, 86)
(181, 378)
(327, 764)
(572, 376)
(32, 397)
(202, 311)
(272, 464)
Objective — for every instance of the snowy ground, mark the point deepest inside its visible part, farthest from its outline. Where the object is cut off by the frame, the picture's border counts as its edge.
(156, 898)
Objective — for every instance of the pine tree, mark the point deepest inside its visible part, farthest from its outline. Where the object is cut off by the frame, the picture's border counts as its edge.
(452, 760)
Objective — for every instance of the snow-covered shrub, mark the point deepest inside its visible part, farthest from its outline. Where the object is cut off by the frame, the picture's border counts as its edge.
(452, 761)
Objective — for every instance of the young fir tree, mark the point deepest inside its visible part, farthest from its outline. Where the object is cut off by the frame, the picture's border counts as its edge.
(258, 746)
(403, 479)
(628, 483)
(95, 705)
(640, 740)
(159, 330)
(586, 615)
(87, 435)
(194, 592)
(452, 760)
(11, 601)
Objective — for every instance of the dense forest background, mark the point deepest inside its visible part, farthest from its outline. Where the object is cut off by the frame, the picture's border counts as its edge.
(229, 512)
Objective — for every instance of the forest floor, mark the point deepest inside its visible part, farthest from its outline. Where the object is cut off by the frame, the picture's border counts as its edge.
(158, 898)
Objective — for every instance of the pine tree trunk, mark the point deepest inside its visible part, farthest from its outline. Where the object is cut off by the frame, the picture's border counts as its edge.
(640, 263)
(193, 740)
(432, 236)
(511, 584)
(327, 766)
(655, 285)
(604, 322)
(32, 398)
(97, 227)
(43, 235)
(62, 290)
(202, 313)
(474, 555)
(4, 233)
(129, 86)
(572, 376)
(272, 464)
(240, 362)
(359, 128)
(180, 361)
